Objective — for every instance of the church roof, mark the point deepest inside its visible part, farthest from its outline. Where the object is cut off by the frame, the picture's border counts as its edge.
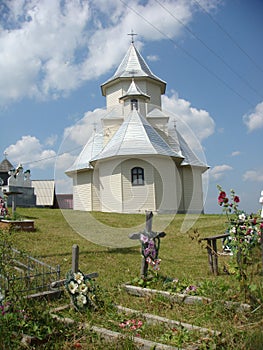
(90, 150)
(5, 166)
(189, 156)
(133, 66)
(136, 137)
(134, 90)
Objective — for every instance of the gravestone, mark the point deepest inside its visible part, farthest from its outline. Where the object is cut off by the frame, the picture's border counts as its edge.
(19, 182)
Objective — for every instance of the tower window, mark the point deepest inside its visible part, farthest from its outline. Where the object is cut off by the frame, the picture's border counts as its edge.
(137, 176)
(134, 104)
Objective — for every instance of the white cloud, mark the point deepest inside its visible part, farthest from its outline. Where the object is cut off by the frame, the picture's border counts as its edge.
(253, 175)
(51, 140)
(29, 151)
(218, 171)
(188, 118)
(235, 153)
(80, 132)
(48, 48)
(254, 120)
(153, 58)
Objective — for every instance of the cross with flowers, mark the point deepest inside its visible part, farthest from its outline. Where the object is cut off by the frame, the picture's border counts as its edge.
(150, 245)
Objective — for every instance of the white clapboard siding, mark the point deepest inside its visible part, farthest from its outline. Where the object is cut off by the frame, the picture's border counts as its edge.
(193, 191)
(110, 186)
(82, 191)
(96, 203)
(137, 199)
(154, 91)
(168, 195)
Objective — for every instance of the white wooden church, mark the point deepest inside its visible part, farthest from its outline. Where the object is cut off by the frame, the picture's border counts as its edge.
(135, 162)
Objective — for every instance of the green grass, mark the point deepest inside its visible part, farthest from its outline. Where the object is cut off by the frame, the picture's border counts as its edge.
(182, 258)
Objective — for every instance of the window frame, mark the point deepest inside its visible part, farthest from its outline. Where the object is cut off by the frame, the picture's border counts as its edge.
(137, 176)
(134, 104)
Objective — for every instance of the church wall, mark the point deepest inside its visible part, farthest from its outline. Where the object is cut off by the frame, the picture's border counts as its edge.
(82, 191)
(168, 184)
(154, 91)
(110, 126)
(114, 92)
(96, 204)
(193, 191)
(110, 186)
(137, 199)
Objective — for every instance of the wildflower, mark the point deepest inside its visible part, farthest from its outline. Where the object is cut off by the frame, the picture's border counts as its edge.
(236, 199)
(242, 217)
(190, 289)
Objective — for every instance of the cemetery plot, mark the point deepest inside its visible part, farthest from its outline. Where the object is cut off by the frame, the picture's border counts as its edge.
(147, 331)
(27, 275)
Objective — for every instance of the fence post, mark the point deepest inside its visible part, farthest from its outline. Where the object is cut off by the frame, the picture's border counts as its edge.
(75, 258)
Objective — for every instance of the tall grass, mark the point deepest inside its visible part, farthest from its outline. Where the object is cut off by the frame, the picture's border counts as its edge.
(182, 257)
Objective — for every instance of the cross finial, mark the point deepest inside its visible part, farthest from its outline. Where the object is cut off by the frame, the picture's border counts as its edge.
(5, 154)
(132, 36)
(94, 126)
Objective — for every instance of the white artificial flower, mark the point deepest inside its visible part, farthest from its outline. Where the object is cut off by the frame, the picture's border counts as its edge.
(81, 300)
(72, 287)
(79, 277)
(83, 288)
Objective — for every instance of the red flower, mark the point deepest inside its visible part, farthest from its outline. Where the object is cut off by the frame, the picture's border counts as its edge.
(236, 199)
(222, 194)
(222, 198)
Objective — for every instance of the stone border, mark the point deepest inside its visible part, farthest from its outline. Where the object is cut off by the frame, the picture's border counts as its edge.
(153, 319)
(18, 225)
(144, 344)
(182, 298)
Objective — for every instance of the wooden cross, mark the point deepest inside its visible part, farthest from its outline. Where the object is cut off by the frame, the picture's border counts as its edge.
(155, 236)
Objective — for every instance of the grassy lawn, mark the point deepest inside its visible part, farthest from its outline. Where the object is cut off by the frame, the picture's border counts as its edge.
(182, 258)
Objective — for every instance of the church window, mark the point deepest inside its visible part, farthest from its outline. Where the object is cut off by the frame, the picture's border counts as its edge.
(134, 104)
(137, 176)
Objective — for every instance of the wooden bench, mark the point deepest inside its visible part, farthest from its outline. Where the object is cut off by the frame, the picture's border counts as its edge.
(212, 251)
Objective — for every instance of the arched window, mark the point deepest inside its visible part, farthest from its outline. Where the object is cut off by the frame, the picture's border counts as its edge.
(137, 176)
(134, 104)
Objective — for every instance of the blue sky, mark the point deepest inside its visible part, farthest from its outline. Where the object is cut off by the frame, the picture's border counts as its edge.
(56, 54)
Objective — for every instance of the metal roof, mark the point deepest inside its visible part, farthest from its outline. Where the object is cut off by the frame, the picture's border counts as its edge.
(136, 137)
(5, 166)
(133, 66)
(90, 150)
(134, 90)
(189, 156)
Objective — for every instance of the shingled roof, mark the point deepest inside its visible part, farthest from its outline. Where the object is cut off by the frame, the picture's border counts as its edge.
(90, 150)
(5, 166)
(136, 137)
(133, 66)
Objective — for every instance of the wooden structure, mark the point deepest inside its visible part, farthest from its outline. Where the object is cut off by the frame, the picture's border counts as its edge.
(155, 236)
(212, 251)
